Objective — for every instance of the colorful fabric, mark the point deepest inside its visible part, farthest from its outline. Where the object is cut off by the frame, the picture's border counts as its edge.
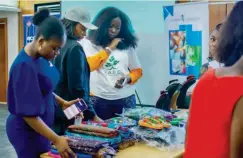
(82, 145)
(140, 113)
(91, 133)
(55, 154)
(94, 130)
(125, 133)
(89, 146)
(122, 122)
(111, 141)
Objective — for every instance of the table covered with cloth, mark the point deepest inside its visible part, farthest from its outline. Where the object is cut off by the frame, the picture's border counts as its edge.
(139, 151)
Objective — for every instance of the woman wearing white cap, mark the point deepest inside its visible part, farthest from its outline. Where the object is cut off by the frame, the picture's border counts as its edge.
(74, 68)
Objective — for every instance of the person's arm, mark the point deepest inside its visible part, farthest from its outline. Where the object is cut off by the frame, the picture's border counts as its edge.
(39, 126)
(97, 60)
(61, 143)
(236, 130)
(60, 101)
(135, 75)
(134, 66)
(78, 76)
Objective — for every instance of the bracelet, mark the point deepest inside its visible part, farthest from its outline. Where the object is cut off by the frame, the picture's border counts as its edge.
(108, 48)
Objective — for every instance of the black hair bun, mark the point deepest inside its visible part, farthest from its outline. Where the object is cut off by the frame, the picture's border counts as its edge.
(40, 16)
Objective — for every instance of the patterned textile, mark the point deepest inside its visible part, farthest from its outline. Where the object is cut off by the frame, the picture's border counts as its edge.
(93, 130)
(111, 141)
(89, 146)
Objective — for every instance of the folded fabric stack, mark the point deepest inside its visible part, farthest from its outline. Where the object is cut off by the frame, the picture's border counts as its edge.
(112, 141)
(119, 138)
(93, 130)
(90, 146)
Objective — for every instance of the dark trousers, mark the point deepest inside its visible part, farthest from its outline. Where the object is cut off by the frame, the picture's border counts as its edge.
(107, 109)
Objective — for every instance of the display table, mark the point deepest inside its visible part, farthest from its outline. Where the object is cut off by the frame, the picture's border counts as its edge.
(144, 151)
(141, 151)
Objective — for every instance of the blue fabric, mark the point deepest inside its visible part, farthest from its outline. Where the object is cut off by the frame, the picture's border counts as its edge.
(79, 155)
(107, 109)
(31, 83)
(111, 141)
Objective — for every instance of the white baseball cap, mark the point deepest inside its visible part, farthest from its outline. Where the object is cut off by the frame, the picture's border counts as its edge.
(81, 16)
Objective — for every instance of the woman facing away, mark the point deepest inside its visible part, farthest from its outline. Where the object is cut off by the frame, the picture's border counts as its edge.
(215, 124)
(212, 62)
(113, 78)
(30, 92)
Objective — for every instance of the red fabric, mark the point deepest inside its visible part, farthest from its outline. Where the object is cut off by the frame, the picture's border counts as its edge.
(212, 105)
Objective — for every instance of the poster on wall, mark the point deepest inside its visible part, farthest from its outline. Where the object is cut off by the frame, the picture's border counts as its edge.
(185, 27)
(29, 28)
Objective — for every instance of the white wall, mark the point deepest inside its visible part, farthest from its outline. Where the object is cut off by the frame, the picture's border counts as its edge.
(13, 3)
(12, 18)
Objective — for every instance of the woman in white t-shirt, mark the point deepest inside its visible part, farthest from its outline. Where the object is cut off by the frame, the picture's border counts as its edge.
(113, 75)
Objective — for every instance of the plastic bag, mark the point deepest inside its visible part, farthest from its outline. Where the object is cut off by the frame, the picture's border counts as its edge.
(166, 139)
(139, 113)
(121, 121)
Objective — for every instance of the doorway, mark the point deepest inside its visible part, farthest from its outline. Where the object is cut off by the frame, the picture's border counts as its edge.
(3, 60)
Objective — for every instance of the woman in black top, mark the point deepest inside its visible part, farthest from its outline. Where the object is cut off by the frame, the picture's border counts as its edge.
(73, 67)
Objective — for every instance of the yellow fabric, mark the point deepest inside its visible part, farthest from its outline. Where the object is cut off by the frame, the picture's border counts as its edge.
(96, 61)
(135, 75)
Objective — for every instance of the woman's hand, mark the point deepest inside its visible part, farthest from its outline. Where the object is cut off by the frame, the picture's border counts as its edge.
(61, 144)
(120, 83)
(67, 104)
(114, 43)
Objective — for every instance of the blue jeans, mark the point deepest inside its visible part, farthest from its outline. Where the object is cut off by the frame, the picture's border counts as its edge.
(107, 109)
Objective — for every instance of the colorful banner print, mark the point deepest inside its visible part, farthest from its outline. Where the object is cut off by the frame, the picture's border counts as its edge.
(188, 38)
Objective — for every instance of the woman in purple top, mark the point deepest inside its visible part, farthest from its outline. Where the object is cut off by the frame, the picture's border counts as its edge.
(31, 101)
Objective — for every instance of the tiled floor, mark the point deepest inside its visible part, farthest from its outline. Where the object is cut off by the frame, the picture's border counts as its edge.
(6, 149)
